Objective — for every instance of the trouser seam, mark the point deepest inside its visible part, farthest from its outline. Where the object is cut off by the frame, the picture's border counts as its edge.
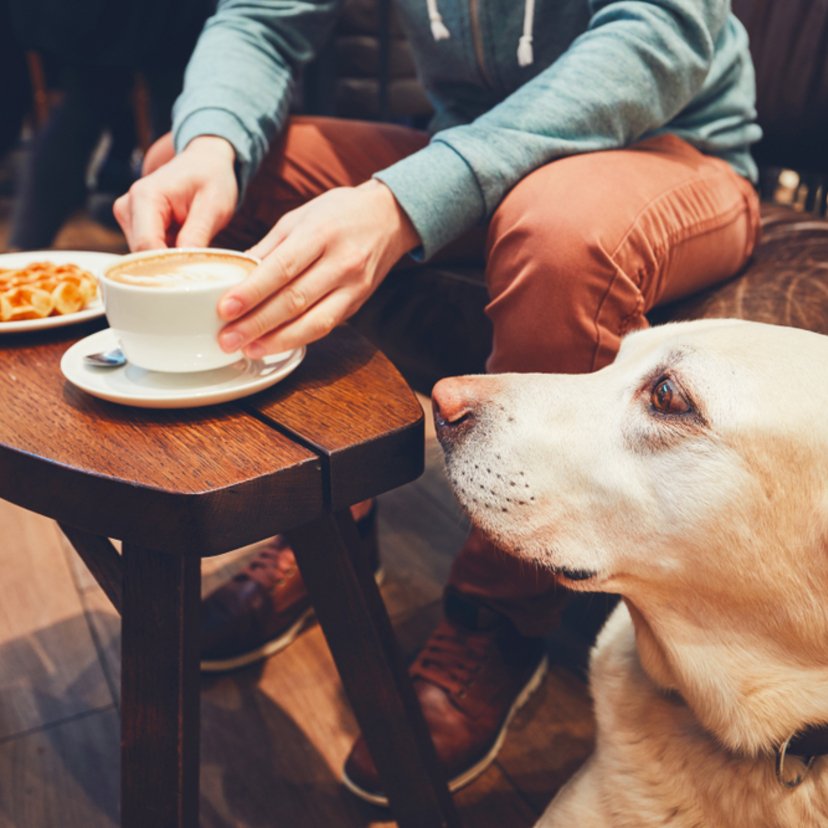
(680, 234)
(701, 228)
(693, 183)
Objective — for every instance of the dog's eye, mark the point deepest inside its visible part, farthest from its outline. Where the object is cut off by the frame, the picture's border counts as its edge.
(667, 398)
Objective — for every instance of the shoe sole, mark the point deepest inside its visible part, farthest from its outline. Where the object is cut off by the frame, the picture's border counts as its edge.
(271, 647)
(469, 775)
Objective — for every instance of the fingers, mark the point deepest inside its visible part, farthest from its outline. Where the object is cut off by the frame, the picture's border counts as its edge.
(158, 154)
(315, 324)
(275, 236)
(320, 263)
(151, 215)
(122, 210)
(282, 266)
(185, 199)
(268, 244)
(203, 221)
(144, 217)
(292, 301)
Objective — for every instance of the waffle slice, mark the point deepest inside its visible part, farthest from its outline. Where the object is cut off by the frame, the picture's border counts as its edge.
(67, 297)
(25, 303)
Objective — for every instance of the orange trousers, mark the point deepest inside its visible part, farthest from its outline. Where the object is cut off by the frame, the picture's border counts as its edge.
(575, 256)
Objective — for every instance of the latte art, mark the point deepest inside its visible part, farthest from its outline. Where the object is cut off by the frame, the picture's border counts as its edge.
(184, 270)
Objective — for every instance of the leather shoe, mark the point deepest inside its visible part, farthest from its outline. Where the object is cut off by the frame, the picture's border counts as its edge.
(471, 677)
(264, 608)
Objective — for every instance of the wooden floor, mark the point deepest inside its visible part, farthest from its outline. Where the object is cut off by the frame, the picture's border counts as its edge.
(274, 736)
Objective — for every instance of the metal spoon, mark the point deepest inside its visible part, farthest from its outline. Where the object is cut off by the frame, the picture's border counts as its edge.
(106, 359)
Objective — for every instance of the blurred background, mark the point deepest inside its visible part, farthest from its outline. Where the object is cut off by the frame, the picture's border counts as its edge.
(88, 85)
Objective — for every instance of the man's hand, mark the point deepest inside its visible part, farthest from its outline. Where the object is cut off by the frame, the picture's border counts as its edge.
(184, 201)
(320, 264)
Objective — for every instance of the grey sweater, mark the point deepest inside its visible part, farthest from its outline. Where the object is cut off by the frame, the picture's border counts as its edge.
(513, 87)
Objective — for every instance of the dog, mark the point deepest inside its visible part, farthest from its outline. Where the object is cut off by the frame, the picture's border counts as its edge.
(690, 477)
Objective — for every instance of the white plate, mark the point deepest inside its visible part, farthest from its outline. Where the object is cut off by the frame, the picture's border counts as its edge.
(130, 385)
(88, 260)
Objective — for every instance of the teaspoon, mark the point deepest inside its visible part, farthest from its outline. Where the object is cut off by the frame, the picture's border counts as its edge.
(106, 359)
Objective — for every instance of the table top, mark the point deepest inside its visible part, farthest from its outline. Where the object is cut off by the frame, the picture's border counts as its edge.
(344, 426)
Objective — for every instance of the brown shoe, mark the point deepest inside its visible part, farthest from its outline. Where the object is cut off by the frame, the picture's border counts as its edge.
(471, 677)
(263, 608)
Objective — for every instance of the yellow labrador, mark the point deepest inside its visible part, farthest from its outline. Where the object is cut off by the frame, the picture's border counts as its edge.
(690, 477)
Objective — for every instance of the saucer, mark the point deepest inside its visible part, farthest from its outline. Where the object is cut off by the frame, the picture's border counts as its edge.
(131, 385)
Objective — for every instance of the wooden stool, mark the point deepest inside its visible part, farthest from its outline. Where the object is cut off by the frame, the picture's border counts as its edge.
(176, 486)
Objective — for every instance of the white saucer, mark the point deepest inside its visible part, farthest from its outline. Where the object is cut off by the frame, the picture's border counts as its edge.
(130, 385)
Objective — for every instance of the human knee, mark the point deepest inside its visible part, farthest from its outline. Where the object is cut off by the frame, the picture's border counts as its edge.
(533, 236)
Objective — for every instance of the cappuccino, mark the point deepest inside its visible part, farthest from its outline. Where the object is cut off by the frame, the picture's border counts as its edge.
(162, 306)
(182, 270)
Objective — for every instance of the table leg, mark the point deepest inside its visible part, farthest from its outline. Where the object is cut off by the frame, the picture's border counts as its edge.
(159, 690)
(101, 559)
(359, 634)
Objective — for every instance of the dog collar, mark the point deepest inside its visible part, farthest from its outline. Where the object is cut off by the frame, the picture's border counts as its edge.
(811, 741)
(807, 745)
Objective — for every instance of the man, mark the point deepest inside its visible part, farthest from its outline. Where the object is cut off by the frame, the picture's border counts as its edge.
(604, 147)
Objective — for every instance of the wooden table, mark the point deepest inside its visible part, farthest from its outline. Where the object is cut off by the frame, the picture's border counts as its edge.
(176, 486)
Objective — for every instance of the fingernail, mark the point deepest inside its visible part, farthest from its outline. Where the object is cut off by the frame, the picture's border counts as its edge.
(230, 341)
(254, 351)
(230, 308)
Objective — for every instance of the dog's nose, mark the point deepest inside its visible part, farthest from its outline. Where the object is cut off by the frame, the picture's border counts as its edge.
(453, 401)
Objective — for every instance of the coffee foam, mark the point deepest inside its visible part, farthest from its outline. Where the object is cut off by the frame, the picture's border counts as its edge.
(186, 269)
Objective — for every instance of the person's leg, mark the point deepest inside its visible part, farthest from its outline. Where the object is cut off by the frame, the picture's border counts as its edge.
(116, 172)
(578, 253)
(16, 91)
(315, 155)
(53, 181)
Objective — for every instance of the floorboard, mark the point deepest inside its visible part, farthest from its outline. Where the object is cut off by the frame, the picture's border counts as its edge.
(65, 776)
(49, 670)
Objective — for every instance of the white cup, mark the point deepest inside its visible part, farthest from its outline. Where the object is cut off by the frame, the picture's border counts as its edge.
(168, 321)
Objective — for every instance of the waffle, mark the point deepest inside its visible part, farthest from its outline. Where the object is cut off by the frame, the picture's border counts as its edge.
(43, 289)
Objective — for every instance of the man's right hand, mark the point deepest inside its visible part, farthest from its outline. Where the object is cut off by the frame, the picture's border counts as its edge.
(185, 201)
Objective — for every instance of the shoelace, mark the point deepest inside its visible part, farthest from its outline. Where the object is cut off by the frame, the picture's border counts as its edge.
(272, 564)
(525, 52)
(451, 657)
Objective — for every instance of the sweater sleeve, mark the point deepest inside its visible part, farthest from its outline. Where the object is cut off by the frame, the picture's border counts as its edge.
(239, 80)
(638, 64)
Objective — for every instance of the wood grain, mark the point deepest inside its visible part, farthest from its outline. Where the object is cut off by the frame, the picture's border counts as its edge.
(208, 479)
(102, 560)
(159, 690)
(274, 735)
(351, 404)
